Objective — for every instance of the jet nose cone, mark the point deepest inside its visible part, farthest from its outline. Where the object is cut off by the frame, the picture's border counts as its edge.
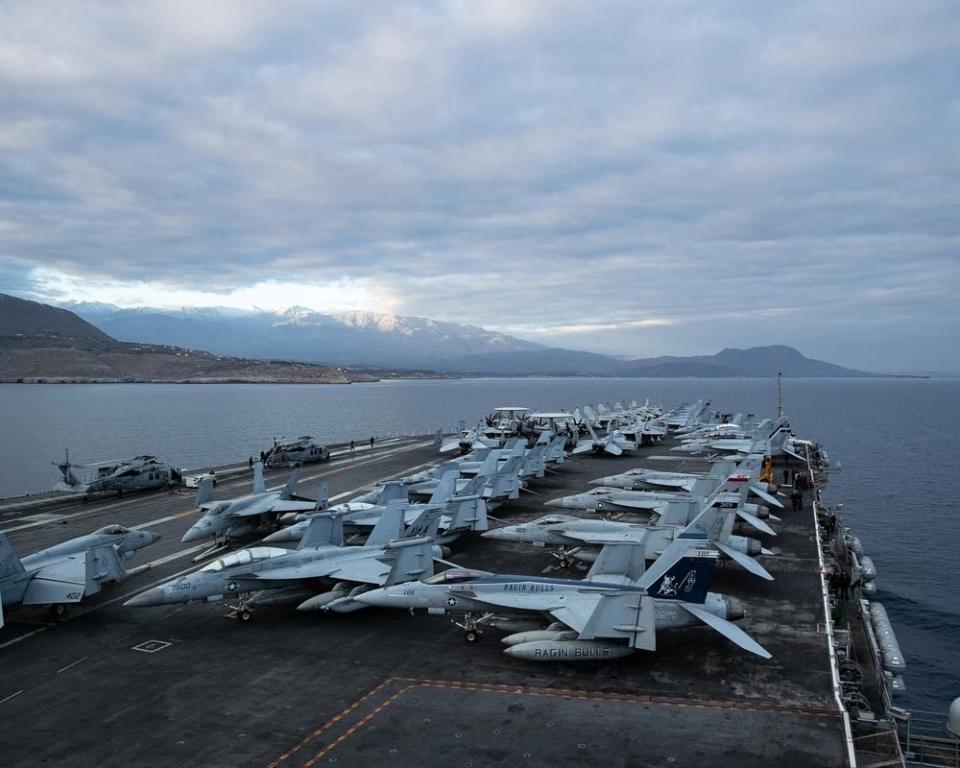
(152, 537)
(154, 596)
(600, 481)
(553, 503)
(497, 534)
(278, 536)
(378, 597)
(195, 533)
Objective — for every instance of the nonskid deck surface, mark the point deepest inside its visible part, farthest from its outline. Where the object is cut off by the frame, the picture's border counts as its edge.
(381, 687)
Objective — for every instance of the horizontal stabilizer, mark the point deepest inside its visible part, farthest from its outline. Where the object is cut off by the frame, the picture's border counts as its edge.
(743, 559)
(756, 522)
(612, 447)
(729, 630)
(767, 497)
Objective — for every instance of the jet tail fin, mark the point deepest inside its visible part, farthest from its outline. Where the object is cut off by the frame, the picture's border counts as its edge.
(322, 531)
(204, 492)
(258, 485)
(392, 491)
(427, 524)
(683, 572)
(412, 560)
(619, 560)
(323, 495)
(445, 489)
(390, 524)
(469, 514)
(290, 489)
(10, 564)
(103, 565)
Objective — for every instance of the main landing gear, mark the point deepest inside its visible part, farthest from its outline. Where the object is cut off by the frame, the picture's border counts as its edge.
(472, 625)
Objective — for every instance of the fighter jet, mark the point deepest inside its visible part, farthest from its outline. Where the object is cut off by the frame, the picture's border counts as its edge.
(230, 519)
(66, 573)
(136, 474)
(604, 499)
(617, 609)
(465, 511)
(582, 538)
(277, 576)
(768, 438)
(614, 443)
(641, 478)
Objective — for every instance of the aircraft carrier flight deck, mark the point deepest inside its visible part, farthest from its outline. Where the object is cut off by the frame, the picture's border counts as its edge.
(188, 686)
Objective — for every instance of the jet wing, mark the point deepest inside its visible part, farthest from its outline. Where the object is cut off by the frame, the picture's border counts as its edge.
(600, 538)
(276, 506)
(293, 505)
(366, 570)
(652, 505)
(577, 610)
(684, 483)
(63, 581)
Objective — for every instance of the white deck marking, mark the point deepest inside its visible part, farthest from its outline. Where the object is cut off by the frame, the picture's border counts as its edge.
(166, 559)
(72, 664)
(24, 637)
(11, 696)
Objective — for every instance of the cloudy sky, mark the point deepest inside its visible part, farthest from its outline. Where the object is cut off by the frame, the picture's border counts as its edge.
(635, 177)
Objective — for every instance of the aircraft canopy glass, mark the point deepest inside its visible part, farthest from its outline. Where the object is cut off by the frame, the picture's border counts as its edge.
(113, 530)
(455, 576)
(245, 556)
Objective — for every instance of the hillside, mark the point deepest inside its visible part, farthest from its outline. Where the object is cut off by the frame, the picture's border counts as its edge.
(19, 317)
(43, 343)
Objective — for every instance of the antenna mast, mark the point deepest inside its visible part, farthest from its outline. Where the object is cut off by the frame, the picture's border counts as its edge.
(779, 391)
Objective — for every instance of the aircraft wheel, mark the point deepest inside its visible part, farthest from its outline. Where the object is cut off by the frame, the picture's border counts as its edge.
(471, 635)
(564, 562)
(58, 611)
(244, 615)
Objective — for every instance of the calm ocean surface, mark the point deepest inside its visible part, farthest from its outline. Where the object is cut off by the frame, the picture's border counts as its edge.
(896, 441)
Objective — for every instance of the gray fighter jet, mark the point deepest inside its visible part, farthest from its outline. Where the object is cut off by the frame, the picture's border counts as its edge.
(582, 538)
(277, 576)
(618, 608)
(233, 518)
(641, 478)
(66, 573)
(466, 511)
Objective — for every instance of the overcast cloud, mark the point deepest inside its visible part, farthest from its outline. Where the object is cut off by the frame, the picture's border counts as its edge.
(634, 178)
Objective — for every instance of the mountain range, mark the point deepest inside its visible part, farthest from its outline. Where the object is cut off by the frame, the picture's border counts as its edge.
(390, 341)
(43, 343)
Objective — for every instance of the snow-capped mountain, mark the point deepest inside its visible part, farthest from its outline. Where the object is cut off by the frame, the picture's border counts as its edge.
(301, 333)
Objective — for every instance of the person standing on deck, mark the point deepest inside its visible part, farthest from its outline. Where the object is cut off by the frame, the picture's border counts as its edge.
(371, 441)
(797, 498)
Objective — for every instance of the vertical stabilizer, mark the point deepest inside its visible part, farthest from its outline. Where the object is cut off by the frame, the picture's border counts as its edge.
(258, 485)
(10, 564)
